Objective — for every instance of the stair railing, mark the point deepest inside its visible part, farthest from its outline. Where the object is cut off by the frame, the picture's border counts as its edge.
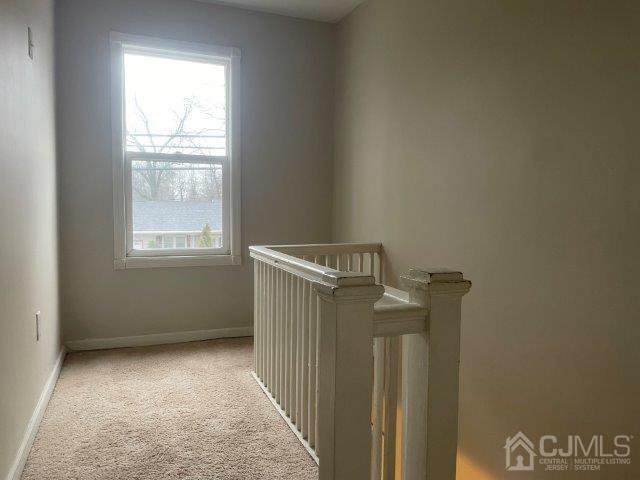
(340, 355)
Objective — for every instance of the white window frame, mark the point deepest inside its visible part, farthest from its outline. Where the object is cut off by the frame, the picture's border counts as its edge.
(125, 255)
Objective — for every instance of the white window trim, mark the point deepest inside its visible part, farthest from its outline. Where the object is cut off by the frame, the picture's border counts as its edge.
(124, 259)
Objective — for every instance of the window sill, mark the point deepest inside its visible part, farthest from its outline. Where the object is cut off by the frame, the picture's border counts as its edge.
(177, 261)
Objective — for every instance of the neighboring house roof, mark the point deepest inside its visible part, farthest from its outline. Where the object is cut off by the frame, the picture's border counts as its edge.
(156, 216)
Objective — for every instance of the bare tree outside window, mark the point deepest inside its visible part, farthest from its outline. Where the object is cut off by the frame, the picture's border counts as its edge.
(155, 180)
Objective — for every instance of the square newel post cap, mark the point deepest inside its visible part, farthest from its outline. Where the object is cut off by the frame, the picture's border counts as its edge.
(436, 280)
(348, 287)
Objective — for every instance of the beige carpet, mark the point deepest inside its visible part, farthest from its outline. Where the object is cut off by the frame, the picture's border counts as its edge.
(190, 411)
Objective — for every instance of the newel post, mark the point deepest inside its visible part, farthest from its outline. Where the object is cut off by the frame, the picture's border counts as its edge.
(345, 370)
(430, 379)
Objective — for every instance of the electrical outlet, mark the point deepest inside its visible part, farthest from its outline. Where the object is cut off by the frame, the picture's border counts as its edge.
(38, 315)
(30, 44)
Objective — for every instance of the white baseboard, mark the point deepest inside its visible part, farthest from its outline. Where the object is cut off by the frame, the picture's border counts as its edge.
(157, 339)
(15, 472)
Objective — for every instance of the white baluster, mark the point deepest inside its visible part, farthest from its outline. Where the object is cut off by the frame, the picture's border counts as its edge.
(268, 336)
(317, 402)
(256, 320)
(392, 354)
(380, 276)
(288, 338)
(299, 355)
(281, 322)
(293, 348)
(377, 417)
(286, 342)
(258, 340)
(304, 405)
(313, 327)
(274, 316)
(263, 305)
(281, 327)
(276, 334)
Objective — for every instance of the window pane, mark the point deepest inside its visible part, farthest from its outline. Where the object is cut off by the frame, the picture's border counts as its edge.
(176, 205)
(174, 106)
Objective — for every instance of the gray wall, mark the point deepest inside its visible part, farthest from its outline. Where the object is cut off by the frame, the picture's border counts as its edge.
(28, 235)
(287, 115)
(501, 138)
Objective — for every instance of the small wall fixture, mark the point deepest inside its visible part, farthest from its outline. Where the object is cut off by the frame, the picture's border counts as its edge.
(30, 42)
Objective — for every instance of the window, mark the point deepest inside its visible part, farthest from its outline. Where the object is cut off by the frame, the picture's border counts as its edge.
(175, 152)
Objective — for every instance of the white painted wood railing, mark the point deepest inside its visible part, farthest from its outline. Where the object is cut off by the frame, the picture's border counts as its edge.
(364, 374)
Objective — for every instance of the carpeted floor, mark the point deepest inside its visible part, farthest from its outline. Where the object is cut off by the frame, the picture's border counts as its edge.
(190, 411)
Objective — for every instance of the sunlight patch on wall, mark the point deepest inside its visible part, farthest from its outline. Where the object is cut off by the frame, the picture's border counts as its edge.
(468, 470)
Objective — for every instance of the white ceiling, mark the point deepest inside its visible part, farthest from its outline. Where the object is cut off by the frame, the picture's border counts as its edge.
(324, 10)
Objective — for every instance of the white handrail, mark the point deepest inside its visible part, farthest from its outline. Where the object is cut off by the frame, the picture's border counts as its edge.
(309, 270)
(328, 248)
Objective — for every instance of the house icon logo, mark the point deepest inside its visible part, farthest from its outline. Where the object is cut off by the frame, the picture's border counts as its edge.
(519, 453)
